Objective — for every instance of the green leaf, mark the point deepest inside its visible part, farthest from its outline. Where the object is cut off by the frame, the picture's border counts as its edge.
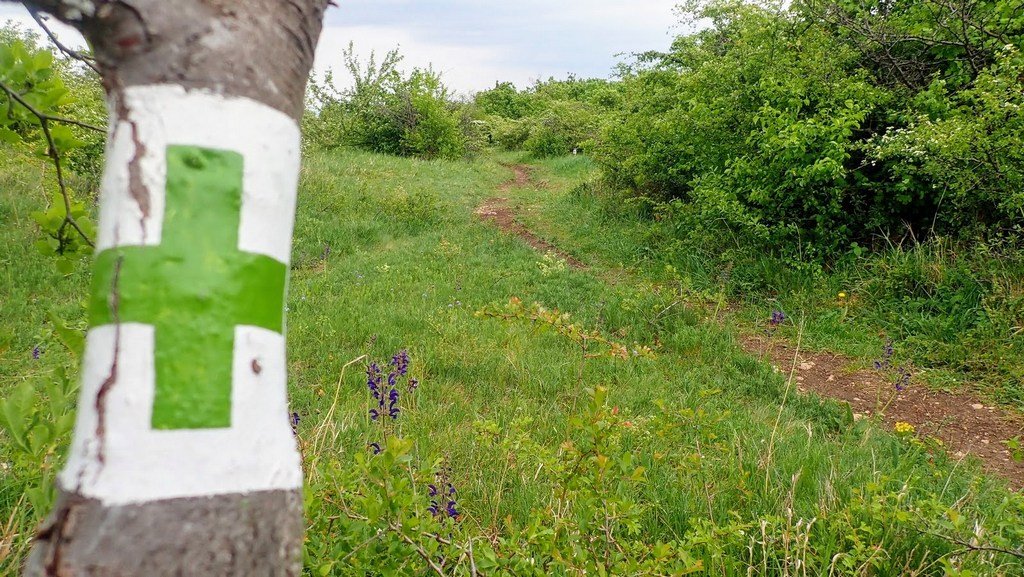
(40, 217)
(65, 266)
(42, 60)
(9, 136)
(15, 411)
(43, 247)
(71, 338)
(64, 138)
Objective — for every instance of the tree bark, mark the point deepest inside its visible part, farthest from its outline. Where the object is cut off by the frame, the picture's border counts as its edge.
(204, 99)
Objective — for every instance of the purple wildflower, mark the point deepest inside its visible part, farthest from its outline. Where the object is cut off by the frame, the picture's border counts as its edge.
(902, 378)
(401, 362)
(885, 362)
(294, 419)
(778, 317)
(373, 378)
(373, 382)
(903, 381)
(393, 409)
(442, 479)
(387, 394)
(36, 351)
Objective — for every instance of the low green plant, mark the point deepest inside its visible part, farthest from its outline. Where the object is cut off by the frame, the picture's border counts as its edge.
(38, 417)
(38, 421)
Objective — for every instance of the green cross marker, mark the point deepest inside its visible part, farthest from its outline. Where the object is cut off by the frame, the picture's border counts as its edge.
(195, 287)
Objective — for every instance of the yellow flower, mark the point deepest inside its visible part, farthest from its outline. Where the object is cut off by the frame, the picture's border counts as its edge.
(842, 295)
(904, 428)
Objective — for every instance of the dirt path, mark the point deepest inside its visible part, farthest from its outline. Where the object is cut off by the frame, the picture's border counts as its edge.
(965, 424)
(496, 209)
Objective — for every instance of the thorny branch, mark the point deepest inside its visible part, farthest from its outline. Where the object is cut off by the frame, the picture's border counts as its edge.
(54, 154)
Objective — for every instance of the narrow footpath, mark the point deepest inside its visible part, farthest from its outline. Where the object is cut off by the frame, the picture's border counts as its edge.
(963, 422)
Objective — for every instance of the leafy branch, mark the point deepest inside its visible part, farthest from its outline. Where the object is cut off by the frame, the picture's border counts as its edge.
(53, 152)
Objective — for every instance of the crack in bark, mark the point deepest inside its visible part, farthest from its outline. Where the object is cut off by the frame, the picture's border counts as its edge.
(110, 381)
(59, 529)
(136, 187)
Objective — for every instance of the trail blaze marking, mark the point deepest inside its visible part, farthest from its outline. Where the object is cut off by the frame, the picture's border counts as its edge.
(194, 287)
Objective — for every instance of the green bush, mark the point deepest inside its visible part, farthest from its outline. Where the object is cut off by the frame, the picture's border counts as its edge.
(965, 149)
(509, 134)
(505, 101)
(551, 118)
(792, 120)
(386, 111)
(566, 125)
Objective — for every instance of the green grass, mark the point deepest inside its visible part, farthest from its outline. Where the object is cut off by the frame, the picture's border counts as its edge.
(31, 290)
(954, 313)
(388, 255)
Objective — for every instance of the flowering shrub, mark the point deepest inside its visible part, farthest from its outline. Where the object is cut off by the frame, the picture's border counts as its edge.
(964, 150)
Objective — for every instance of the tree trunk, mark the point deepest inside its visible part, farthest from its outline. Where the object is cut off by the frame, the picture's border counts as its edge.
(183, 461)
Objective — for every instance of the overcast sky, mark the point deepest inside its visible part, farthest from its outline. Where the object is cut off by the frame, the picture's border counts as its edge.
(476, 42)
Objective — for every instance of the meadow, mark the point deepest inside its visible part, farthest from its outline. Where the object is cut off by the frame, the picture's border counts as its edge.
(560, 422)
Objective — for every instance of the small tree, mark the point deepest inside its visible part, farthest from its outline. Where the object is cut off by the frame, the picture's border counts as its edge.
(387, 111)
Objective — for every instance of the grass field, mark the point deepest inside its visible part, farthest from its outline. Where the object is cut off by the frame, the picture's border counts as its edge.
(954, 312)
(701, 458)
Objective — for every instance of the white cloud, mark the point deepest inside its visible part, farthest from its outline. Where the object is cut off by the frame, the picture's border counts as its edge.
(477, 42)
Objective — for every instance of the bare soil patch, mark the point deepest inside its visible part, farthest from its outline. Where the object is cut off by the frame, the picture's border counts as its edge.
(966, 425)
(520, 177)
